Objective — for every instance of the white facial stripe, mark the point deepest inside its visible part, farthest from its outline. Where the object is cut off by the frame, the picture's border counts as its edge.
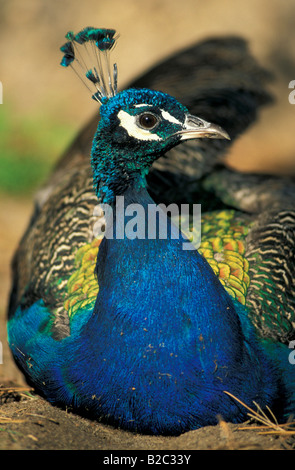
(142, 105)
(165, 114)
(129, 123)
(170, 118)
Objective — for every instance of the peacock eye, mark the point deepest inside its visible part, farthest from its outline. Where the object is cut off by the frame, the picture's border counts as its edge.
(148, 121)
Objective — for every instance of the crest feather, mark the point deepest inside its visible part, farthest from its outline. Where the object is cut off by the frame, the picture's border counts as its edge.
(94, 62)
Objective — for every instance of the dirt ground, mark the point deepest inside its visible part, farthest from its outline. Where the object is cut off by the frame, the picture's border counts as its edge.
(28, 422)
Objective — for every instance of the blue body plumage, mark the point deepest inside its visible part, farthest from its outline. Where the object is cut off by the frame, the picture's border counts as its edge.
(154, 356)
(164, 341)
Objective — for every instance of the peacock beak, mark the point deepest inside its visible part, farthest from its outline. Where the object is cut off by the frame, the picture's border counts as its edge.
(195, 128)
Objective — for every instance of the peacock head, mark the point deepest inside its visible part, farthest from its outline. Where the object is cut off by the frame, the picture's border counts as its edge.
(136, 126)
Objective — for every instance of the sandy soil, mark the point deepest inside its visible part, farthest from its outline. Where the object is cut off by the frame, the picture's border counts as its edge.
(27, 422)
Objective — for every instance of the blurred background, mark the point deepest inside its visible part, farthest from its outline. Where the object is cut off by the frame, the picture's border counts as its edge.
(44, 105)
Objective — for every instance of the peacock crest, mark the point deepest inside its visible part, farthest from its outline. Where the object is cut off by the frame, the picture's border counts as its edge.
(92, 46)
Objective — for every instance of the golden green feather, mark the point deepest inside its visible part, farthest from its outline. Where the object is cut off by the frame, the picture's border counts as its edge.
(222, 244)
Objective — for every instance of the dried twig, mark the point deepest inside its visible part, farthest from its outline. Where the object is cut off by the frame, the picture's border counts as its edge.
(15, 393)
(4, 420)
(42, 416)
(273, 427)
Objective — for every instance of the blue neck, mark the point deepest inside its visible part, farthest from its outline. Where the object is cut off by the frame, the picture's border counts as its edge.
(163, 342)
(169, 339)
(113, 176)
(155, 282)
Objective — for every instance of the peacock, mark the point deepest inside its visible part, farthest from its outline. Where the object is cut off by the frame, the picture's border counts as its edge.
(130, 328)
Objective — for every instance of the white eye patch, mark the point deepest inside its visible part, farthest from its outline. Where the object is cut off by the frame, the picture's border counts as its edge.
(168, 117)
(129, 123)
